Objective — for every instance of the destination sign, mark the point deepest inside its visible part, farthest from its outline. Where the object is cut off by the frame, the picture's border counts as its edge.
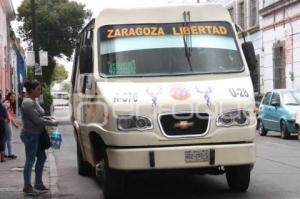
(176, 29)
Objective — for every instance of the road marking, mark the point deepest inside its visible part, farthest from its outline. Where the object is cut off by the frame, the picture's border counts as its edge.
(9, 189)
(54, 190)
(278, 162)
(282, 145)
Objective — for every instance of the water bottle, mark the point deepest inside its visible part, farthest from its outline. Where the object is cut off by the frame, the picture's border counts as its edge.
(56, 139)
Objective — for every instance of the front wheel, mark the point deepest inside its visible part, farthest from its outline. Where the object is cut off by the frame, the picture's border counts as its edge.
(299, 135)
(112, 181)
(84, 168)
(238, 177)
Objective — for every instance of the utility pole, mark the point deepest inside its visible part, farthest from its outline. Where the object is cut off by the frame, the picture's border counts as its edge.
(37, 69)
(35, 40)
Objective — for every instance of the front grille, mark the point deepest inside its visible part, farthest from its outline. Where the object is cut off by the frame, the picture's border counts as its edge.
(184, 124)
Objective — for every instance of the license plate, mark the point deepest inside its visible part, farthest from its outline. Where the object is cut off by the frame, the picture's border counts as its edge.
(197, 156)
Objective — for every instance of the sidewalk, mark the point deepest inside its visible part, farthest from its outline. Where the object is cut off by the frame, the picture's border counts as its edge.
(11, 172)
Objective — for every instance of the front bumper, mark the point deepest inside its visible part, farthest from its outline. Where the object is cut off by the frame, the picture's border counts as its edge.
(174, 157)
(293, 126)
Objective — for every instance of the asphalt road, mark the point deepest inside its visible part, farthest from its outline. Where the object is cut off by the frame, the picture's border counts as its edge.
(276, 174)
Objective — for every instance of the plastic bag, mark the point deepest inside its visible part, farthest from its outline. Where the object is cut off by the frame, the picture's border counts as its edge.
(56, 139)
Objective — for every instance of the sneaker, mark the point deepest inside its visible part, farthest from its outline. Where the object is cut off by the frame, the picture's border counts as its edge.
(41, 188)
(30, 191)
(12, 156)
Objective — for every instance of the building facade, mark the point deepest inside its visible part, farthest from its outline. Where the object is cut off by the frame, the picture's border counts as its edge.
(245, 13)
(6, 15)
(21, 66)
(274, 28)
(281, 40)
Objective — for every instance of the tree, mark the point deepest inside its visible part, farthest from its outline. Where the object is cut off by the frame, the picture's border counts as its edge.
(30, 72)
(58, 24)
(66, 86)
(59, 73)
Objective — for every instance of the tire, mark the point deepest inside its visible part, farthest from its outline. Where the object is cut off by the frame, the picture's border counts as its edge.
(238, 177)
(299, 136)
(284, 131)
(261, 129)
(112, 181)
(84, 168)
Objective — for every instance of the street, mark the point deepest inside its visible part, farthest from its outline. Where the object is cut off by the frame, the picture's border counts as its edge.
(276, 174)
(171, 86)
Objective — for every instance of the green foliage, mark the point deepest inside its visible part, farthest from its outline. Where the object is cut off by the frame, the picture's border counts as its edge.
(59, 73)
(66, 86)
(58, 24)
(50, 129)
(30, 73)
(47, 100)
(47, 79)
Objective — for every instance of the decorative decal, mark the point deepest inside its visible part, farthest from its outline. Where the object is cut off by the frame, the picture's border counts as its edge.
(154, 93)
(126, 97)
(238, 92)
(206, 94)
(180, 93)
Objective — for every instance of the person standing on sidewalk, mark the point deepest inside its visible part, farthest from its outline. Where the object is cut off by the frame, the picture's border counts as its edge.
(3, 118)
(9, 102)
(34, 123)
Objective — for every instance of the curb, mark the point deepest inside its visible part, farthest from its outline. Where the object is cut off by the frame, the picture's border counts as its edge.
(53, 177)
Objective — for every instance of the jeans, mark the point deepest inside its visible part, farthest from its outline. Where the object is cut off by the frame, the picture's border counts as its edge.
(8, 138)
(32, 151)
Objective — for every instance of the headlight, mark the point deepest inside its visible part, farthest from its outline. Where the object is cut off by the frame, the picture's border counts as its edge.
(234, 118)
(130, 122)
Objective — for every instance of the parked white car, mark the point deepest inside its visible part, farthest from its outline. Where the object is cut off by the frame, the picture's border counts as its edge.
(60, 99)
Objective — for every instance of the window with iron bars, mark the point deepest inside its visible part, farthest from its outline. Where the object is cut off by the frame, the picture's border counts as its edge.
(241, 14)
(279, 78)
(253, 13)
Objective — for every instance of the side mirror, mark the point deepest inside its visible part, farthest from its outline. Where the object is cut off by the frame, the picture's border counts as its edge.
(275, 102)
(249, 53)
(86, 59)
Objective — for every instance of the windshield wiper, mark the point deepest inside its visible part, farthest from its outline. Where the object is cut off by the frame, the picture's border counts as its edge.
(187, 38)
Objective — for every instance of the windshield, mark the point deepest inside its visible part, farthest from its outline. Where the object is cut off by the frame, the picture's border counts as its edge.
(161, 49)
(291, 98)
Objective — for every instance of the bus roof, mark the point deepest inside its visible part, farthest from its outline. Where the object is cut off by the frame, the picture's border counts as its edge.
(166, 13)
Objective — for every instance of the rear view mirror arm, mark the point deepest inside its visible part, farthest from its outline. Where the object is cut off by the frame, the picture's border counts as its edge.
(241, 30)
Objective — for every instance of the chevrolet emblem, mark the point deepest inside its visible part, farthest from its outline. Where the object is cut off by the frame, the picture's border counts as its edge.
(183, 125)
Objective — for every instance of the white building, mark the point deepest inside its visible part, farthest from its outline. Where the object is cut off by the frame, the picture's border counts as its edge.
(274, 28)
(281, 40)
(245, 13)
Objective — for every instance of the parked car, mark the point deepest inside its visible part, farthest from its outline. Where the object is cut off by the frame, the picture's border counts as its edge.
(278, 112)
(60, 99)
(298, 122)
